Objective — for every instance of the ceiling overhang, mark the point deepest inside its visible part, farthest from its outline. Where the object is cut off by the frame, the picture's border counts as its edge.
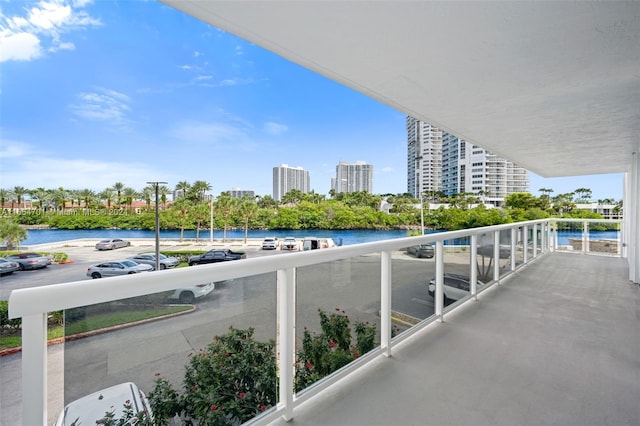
(552, 86)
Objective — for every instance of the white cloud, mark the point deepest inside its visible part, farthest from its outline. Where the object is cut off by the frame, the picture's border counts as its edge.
(22, 37)
(387, 170)
(103, 105)
(275, 129)
(19, 47)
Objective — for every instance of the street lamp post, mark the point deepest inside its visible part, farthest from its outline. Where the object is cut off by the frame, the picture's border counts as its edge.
(155, 186)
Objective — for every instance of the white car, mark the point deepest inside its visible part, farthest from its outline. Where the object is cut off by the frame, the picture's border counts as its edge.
(112, 244)
(91, 408)
(150, 259)
(270, 243)
(455, 287)
(289, 243)
(111, 268)
(188, 295)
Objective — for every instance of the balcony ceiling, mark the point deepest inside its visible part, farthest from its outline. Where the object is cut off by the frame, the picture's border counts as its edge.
(553, 86)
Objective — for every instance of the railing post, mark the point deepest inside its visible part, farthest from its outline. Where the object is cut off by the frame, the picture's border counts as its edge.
(473, 273)
(514, 237)
(585, 237)
(496, 256)
(543, 237)
(285, 279)
(534, 234)
(525, 240)
(439, 295)
(34, 370)
(385, 302)
(555, 235)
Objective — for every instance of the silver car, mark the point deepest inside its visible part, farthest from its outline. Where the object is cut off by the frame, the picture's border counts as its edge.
(8, 266)
(150, 259)
(112, 268)
(112, 244)
(30, 260)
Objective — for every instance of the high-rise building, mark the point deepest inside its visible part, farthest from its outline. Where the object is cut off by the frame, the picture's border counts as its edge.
(240, 193)
(461, 166)
(424, 157)
(286, 178)
(353, 177)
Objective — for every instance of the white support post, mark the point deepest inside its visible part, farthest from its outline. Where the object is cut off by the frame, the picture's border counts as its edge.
(585, 237)
(534, 234)
(287, 336)
(543, 237)
(496, 256)
(473, 273)
(385, 302)
(555, 235)
(514, 237)
(439, 295)
(525, 241)
(34, 370)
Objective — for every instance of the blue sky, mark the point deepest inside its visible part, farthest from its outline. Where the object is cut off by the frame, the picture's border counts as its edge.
(94, 93)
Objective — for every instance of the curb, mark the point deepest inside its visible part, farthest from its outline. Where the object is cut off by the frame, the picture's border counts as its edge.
(58, 340)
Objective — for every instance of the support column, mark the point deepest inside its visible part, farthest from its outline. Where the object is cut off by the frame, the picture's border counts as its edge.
(632, 217)
(34, 370)
(285, 280)
(385, 302)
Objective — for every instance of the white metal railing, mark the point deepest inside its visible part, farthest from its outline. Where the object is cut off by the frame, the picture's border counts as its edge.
(33, 304)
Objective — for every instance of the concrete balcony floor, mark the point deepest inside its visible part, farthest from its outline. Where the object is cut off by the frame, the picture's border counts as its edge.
(558, 343)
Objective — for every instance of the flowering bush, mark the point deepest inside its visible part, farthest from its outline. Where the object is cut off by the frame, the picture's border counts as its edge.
(328, 351)
(229, 382)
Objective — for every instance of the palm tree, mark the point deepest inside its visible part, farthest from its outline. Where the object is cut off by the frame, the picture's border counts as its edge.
(163, 191)
(118, 187)
(148, 192)
(39, 194)
(200, 214)
(183, 187)
(4, 194)
(182, 207)
(19, 192)
(247, 209)
(129, 195)
(107, 195)
(199, 188)
(60, 197)
(225, 204)
(12, 233)
(583, 194)
(88, 196)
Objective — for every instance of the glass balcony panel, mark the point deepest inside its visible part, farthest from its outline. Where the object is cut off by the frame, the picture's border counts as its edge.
(337, 315)
(604, 238)
(457, 270)
(505, 252)
(179, 337)
(569, 236)
(411, 271)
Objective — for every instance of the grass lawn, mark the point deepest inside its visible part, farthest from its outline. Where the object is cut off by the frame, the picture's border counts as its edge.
(99, 321)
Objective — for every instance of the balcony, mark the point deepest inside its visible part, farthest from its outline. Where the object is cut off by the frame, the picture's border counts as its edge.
(549, 338)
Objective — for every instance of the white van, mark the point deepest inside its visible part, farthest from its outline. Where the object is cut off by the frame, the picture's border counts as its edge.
(313, 243)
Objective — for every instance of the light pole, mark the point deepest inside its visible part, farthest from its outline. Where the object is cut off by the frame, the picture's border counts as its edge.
(155, 186)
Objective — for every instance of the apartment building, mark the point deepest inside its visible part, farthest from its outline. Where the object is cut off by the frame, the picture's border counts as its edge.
(424, 157)
(286, 178)
(353, 177)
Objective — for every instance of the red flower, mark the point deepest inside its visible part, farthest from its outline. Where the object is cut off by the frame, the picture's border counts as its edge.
(241, 395)
(356, 355)
(332, 344)
(157, 374)
(337, 309)
(213, 407)
(262, 407)
(308, 365)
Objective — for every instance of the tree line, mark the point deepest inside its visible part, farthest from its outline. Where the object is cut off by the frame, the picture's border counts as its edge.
(194, 208)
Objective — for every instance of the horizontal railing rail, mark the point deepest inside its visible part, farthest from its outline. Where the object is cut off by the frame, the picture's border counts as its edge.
(33, 304)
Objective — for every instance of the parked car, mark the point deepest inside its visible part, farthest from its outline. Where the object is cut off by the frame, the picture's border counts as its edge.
(89, 409)
(8, 266)
(217, 255)
(112, 244)
(455, 287)
(190, 294)
(112, 268)
(422, 251)
(313, 243)
(150, 259)
(30, 260)
(270, 243)
(289, 243)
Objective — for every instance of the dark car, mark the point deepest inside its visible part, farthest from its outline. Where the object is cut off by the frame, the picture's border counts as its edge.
(213, 256)
(30, 260)
(455, 287)
(422, 250)
(8, 266)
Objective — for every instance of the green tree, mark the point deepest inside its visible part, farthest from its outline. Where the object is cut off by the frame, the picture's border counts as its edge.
(129, 194)
(11, 233)
(88, 197)
(247, 209)
(118, 187)
(41, 195)
(107, 195)
(225, 205)
(183, 187)
(19, 192)
(200, 189)
(181, 209)
(200, 215)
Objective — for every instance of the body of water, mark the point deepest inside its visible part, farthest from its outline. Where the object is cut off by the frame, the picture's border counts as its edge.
(346, 237)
